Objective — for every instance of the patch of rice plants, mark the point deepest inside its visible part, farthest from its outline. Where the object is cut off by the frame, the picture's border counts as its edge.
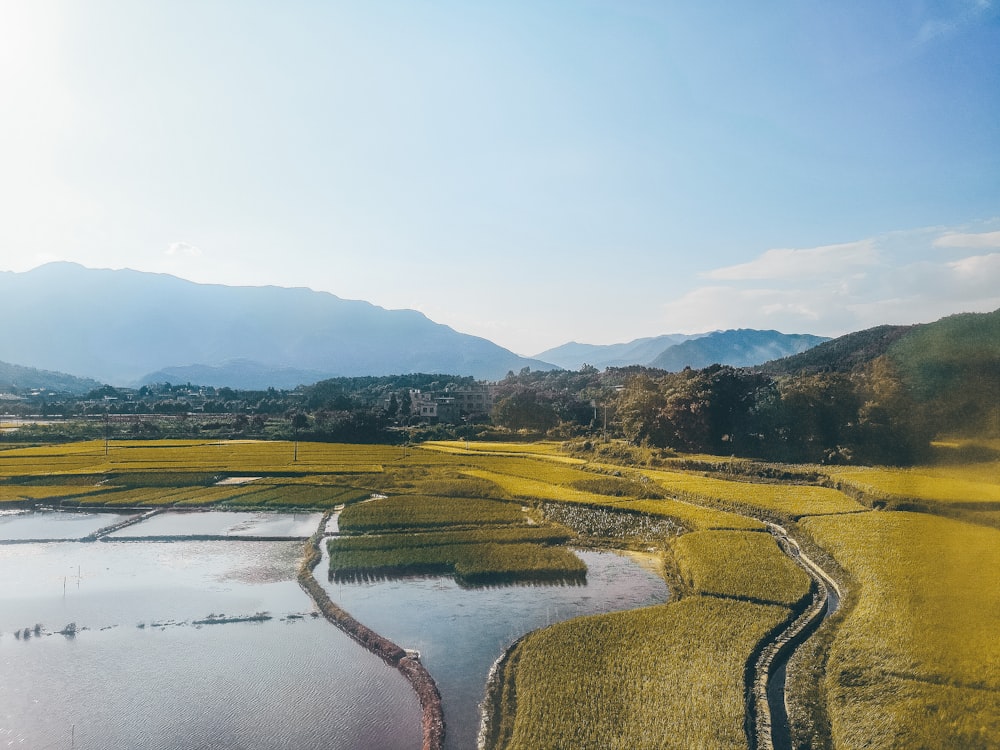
(945, 485)
(741, 564)
(16, 493)
(539, 489)
(471, 564)
(423, 511)
(549, 534)
(669, 676)
(793, 501)
(916, 662)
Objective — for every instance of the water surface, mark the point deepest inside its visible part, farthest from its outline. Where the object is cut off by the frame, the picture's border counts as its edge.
(460, 632)
(53, 524)
(291, 682)
(223, 523)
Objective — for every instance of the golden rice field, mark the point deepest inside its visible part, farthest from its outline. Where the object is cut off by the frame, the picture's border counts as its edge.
(917, 661)
(549, 450)
(913, 663)
(740, 564)
(20, 493)
(423, 511)
(539, 489)
(792, 500)
(939, 484)
(693, 516)
(669, 676)
(246, 457)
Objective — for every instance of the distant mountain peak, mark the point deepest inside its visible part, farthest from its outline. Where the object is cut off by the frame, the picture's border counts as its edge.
(122, 325)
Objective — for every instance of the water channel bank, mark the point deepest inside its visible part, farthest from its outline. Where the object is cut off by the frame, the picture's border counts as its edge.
(767, 727)
(432, 721)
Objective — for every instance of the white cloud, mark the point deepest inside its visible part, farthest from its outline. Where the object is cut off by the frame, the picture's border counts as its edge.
(892, 278)
(802, 264)
(183, 249)
(977, 240)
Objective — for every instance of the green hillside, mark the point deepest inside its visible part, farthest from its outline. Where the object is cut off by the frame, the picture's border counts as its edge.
(952, 368)
(841, 354)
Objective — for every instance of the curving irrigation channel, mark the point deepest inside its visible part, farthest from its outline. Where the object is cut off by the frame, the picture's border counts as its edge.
(767, 715)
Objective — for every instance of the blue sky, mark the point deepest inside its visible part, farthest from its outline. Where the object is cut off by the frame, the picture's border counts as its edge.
(531, 172)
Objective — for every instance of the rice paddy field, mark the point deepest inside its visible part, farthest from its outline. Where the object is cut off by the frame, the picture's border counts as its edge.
(743, 565)
(911, 660)
(916, 662)
(644, 680)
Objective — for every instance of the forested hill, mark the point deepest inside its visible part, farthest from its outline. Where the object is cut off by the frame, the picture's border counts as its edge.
(841, 354)
(952, 367)
(739, 348)
(17, 379)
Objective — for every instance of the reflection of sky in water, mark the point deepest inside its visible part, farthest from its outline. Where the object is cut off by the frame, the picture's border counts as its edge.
(269, 686)
(222, 523)
(120, 583)
(52, 524)
(460, 632)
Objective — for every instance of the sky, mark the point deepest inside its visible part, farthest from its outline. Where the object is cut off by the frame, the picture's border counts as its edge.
(530, 172)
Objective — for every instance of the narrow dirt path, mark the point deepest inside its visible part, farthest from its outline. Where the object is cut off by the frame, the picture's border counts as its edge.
(769, 704)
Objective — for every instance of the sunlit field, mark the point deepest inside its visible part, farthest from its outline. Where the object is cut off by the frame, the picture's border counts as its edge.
(740, 564)
(669, 676)
(917, 661)
(912, 661)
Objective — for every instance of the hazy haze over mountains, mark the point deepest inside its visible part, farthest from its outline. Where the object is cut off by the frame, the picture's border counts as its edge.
(129, 328)
(739, 348)
(120, 326)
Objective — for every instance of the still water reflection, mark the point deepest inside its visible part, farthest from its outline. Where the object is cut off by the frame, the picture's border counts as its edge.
(460, 632)
(141, 673)
(284, 683)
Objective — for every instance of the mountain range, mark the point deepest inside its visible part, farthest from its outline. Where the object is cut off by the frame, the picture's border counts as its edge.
(742, 347)
(121, 326)
(130, 328)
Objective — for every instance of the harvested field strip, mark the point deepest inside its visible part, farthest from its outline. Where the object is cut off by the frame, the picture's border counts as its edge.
(422, 511)
(794, 501)
(927, 607)
(740, 564)
(670, 676)
(471, 564)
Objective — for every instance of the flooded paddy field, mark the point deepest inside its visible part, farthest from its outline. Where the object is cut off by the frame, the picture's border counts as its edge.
(461, 631)
(141, 672)
(212, 644)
